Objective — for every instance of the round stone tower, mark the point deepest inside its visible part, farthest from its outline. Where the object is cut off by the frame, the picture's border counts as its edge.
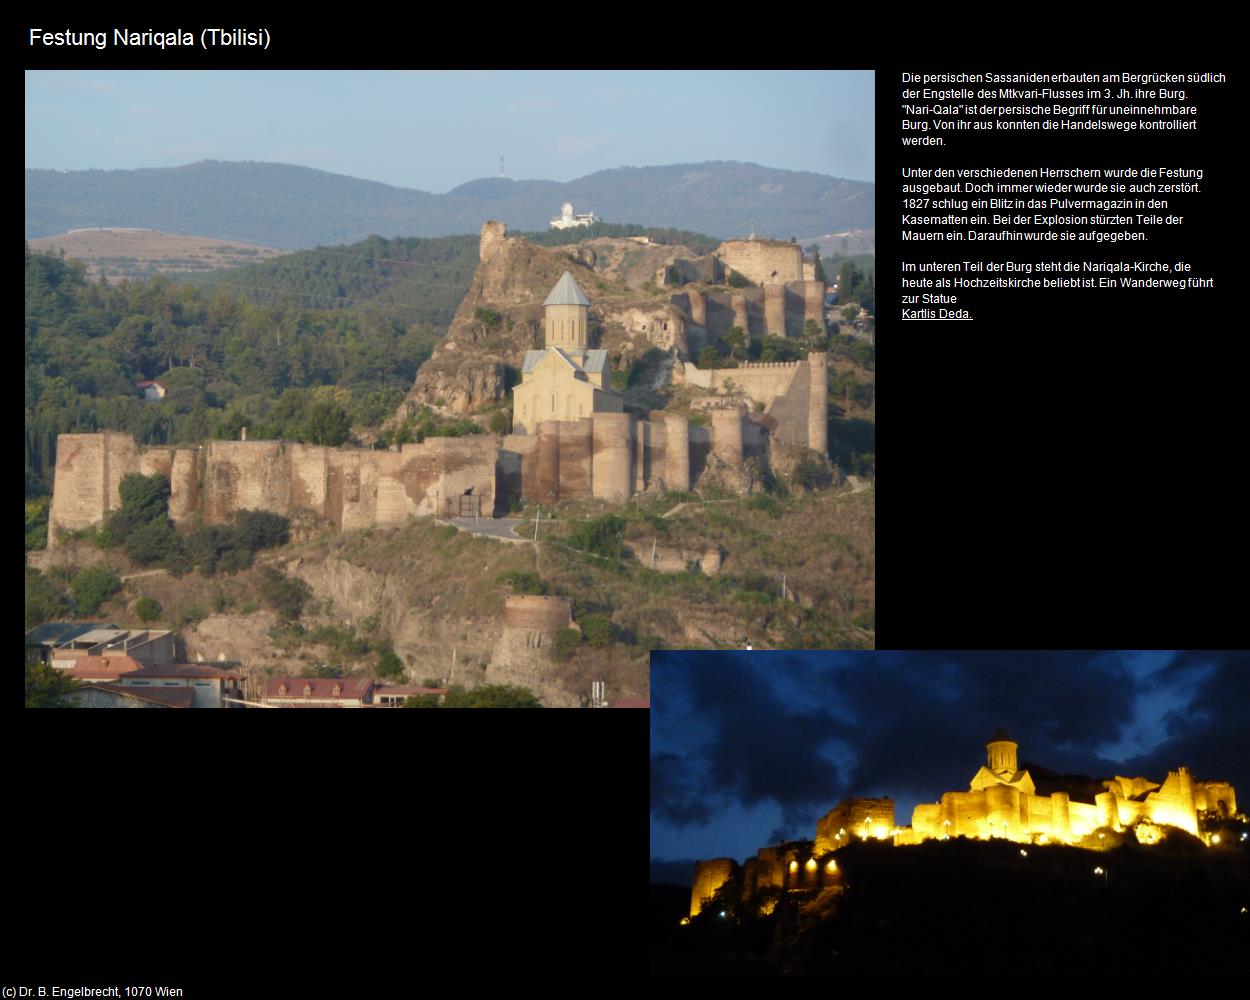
(1001, 753)
(567, 313)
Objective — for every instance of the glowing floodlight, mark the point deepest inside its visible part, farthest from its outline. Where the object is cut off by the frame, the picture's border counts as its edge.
(794, 866)
(811, 864)
(1023, 853)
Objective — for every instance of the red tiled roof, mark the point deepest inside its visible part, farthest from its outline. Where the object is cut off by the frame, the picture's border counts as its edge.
(147, 382)
(201, 670)
(406, 690)
(104, 667)
(180, 697)
(351, 688)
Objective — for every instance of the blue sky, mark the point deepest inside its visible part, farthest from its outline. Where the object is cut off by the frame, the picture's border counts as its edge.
(749, 748)
(434, 130)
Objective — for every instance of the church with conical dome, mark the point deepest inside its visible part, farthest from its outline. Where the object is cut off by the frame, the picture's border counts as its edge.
(567, 379)
(1003, 801)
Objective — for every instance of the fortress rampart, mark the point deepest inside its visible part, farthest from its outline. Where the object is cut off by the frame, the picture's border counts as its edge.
(609, 456)
(1002, 803)
(794, 394)
(763, 262)
(351, 487)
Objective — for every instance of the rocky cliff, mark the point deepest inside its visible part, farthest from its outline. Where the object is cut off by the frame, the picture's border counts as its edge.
(501, 317)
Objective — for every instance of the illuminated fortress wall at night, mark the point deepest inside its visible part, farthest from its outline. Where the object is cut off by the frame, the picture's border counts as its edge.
(1001, 802)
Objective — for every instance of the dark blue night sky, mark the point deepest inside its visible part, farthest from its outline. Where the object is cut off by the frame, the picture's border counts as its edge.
(750, 748)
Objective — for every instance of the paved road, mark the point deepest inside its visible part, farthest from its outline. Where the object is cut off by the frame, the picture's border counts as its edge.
(496, 527)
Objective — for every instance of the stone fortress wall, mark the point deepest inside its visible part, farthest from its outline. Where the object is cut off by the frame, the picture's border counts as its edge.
(352, 487)
(610, 456)
(606, 455)
(782, 297)
(794, 395)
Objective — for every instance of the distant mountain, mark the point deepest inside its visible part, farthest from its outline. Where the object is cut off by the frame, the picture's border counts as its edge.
(291, 207)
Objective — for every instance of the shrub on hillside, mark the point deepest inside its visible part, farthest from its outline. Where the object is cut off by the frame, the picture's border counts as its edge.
(92, 587)
(285, 595)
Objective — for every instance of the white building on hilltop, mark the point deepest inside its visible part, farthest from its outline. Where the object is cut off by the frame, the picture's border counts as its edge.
(568, 220)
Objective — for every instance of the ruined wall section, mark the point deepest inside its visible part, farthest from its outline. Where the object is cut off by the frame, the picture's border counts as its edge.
(794, 394)
(184, 485)
(860, 818)
(708, 877)
(354, 488)
(1174, 802)
(493, 235)
(763, 262)
(663, 326)
(89, 471)
(1215, 796)
(245, 475)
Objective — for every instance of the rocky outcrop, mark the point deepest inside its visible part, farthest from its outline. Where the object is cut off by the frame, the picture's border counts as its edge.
(501, 316)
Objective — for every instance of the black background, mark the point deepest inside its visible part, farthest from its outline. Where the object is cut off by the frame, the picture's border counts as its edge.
(1065, 473)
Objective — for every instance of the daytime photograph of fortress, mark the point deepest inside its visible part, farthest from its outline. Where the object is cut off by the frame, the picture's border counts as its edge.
(571, 436)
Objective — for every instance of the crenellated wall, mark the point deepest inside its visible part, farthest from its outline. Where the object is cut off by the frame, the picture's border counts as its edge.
(794, 394)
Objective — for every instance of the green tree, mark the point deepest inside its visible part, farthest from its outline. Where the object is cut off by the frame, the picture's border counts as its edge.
(45, 601)
(146, 496)
(148, 609)
(779, 349)
(489, 318)
(565, 644)
(144, 500)
(421, 701)
(811, 473)
(737, 341)
(326, 423)
(523, 581)
(819, 271)
(852, 284)
(37, 523)
(601, 536)
(286, 595)
(596, 630)
(47, 687)
(260, 529)
(490, 696)
(709, 357)
(152, 542)
(389, 664)
(92, 587)
(499, 422)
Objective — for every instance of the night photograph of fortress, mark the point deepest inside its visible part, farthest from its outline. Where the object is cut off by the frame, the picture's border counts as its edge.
(948, 813)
